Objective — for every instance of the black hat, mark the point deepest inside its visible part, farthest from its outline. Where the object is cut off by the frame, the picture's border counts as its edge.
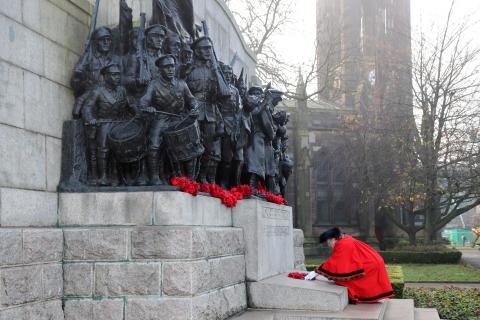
(109, 66)
(162, 57)
(102, 32)
(196, 42)
(333, 233)
(156, 28)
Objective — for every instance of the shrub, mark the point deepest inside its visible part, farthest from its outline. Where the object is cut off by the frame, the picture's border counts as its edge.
(391, 242)
(423, 248)
(395, 274)
(451, 303)
(419, 256)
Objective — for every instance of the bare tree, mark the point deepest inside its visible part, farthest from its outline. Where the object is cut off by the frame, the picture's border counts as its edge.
(260, 21)
(440, 176)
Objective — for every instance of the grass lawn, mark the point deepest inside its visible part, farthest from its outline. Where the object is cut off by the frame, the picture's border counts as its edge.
(440, 273)
(430, 272)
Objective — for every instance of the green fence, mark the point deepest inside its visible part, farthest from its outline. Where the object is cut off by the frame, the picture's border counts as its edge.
(456, 236)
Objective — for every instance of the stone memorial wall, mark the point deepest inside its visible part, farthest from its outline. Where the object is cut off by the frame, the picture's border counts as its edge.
(39, 47)
(153, 262)
(143, 255)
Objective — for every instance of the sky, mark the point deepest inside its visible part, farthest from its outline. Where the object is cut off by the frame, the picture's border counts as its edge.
(296, 41)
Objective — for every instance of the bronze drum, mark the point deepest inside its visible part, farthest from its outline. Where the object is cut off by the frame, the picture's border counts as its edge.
(183, 141)
(127, 140)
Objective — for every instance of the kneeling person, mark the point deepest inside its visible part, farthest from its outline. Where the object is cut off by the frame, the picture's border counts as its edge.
(355, 265)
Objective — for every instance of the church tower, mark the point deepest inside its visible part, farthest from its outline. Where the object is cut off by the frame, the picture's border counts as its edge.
(364, 45)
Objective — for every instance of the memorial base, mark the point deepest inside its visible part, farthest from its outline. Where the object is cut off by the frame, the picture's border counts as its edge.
(150, 255)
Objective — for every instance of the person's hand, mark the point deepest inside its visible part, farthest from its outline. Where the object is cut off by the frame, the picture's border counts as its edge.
(92, 122)
(311, 275)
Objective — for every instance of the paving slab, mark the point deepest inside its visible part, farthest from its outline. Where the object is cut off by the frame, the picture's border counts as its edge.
(374, 311)
(400, 309)
(281, 292)
(426, 314)
(471, 257)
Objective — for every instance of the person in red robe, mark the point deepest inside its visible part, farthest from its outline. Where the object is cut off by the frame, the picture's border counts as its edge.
(355, 265)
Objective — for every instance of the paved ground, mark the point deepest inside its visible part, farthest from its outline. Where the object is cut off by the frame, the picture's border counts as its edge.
(471, 257)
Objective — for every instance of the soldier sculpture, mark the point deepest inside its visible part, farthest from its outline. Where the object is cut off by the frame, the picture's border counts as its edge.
(237, 128)
(106, 105)
(203, 83)
(168, 101)
(153, 102)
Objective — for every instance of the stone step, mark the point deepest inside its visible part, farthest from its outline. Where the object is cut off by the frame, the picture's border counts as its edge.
(281, 292)
(399, 309)
(426, 314)
(374, 311)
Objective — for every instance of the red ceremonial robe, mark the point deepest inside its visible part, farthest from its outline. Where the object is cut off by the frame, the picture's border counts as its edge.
(357, 266)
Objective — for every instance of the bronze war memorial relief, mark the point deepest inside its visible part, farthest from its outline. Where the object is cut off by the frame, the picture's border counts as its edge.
(153, 101)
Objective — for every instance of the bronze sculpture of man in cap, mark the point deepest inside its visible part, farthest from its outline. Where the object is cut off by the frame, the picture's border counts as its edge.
(258, 151)
(237, 128)
(168, 101)
(86, 75)
(105, 105)
(203, 83)
(154, 38)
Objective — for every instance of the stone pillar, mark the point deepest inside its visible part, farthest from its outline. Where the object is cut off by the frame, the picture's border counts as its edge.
(298, 252)
(268, 237)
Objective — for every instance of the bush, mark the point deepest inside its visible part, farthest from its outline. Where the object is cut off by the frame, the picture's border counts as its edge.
(451, 303)
(422, 248)
(421, 256)
(395, 274)
(391, 242)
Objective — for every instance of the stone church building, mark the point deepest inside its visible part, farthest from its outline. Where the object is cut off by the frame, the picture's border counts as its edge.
(364, 55)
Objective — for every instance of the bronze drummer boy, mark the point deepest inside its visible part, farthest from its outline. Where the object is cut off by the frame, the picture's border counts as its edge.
(168, 101)
(105, 105)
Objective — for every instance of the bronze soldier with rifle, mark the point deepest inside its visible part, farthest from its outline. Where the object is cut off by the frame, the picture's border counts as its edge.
(237, 128)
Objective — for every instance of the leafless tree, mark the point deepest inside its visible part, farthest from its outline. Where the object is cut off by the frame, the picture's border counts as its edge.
(259, 21)
(439, 177)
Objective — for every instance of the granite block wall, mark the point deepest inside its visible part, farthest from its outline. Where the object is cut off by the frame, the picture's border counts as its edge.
(39, 47)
